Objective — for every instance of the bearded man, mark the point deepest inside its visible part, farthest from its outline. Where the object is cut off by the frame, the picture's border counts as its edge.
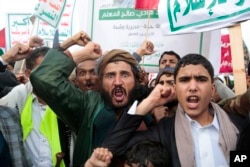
(90, 114)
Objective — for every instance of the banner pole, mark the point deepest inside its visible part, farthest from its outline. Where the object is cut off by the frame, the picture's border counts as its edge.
(146, 36)
(23, 61)
(239, 71)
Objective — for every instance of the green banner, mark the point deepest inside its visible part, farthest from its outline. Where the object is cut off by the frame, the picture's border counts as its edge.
(126, 13)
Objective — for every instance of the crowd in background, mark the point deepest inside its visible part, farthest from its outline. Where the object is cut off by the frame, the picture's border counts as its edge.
(87, 108)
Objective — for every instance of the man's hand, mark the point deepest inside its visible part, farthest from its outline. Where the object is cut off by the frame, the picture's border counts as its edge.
(143, 79)
(91, 51)
(21, 78)
(159, 96)
(101, 157)
(36, 41)
(81, 38)
(17, 52)
(159, 112)
(147, 48)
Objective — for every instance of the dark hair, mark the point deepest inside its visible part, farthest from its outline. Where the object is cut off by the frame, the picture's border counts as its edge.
(169, 71)
(147, 151)
(172, 53)
(194, 59)
(36, 53)
(248, 69)
(151, 82)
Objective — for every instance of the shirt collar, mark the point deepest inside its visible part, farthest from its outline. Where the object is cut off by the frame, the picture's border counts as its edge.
(214, 123)
(35, 101)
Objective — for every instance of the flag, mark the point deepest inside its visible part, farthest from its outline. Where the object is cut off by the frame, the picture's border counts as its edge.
(2, 38)
(146, 4)
(226, 56)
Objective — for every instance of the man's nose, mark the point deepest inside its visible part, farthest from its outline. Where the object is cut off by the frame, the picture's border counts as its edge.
(88, 75)
(192, 85)
(118, 80)
(167, 64)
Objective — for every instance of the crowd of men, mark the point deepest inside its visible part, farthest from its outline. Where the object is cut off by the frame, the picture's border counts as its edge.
(107, 115)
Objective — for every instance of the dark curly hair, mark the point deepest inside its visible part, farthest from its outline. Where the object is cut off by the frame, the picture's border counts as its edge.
(147, 152)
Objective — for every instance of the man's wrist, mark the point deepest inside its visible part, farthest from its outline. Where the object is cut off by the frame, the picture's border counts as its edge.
(87, 164)
(60, 48)
(4, 62)
(67, 43)
(68, 53)
(3, 66)
(140, 52)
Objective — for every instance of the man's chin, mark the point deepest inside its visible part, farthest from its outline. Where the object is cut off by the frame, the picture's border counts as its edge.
(119, 104)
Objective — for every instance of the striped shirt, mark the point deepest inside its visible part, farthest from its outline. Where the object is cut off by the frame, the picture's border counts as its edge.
(12, 132)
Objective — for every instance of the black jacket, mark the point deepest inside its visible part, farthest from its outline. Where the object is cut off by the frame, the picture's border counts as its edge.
(163, 132)
(7, 80)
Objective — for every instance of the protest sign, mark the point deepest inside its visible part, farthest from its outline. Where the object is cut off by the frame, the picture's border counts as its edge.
(50, 11)
(182, 16)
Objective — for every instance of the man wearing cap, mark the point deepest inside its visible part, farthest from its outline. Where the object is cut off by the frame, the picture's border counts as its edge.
(89, 114)
(166, 78)
(85, 74)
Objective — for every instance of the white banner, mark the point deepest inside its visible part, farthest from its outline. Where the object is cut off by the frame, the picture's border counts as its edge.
(17, 28)
(47, 32)
(126, 28)
(189, 16)
(50, 11)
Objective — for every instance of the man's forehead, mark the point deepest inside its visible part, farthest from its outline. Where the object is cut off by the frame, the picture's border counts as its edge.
(87, 64)
(189, 68)
(167, 78)
(118, 68)
(115, 71)
(122, 65)
(193, 75)
(167, 56)
(85, 68)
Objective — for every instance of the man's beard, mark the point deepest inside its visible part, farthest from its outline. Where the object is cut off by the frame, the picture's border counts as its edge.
(108, 99)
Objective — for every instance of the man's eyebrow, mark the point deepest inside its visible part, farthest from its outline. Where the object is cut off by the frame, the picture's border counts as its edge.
(201, 76)
(110, 72)
(125, 71)
(185, 76)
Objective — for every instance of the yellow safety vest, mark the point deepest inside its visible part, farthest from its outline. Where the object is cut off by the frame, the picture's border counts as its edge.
(48, 127)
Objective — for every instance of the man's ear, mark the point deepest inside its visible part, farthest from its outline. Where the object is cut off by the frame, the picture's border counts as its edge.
(214, 88)
(248, 78)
